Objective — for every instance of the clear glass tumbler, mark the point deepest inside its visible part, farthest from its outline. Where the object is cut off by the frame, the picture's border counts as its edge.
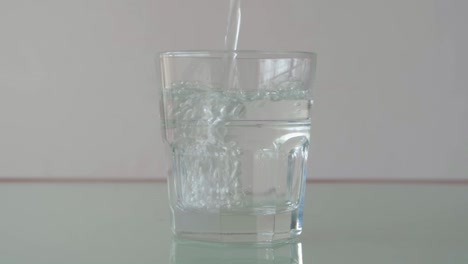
(236, 127)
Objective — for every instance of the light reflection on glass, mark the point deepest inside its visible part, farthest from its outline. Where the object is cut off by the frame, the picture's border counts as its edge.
(275, 72)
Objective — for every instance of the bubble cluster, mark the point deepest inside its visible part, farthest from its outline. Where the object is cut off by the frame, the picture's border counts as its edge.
(207, 163)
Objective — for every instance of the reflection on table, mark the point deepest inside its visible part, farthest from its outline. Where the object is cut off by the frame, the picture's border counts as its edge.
(121, 223)
(189, 252)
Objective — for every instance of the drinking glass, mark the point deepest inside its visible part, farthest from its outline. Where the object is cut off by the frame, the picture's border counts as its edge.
(236, 128)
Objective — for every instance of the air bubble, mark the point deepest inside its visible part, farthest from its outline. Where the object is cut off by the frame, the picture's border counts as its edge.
(208, 163)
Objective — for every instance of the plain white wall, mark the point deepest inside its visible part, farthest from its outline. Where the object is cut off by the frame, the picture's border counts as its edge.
(78, 88)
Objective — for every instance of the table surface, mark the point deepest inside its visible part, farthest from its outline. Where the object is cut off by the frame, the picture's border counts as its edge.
(129, 223)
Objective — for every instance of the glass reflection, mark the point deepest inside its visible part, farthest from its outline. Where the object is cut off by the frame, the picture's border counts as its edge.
(190, 252)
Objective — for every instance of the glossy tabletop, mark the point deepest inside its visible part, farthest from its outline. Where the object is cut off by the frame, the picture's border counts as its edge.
(129, 223)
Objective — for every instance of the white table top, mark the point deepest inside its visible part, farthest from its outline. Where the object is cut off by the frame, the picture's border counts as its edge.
(129, 223)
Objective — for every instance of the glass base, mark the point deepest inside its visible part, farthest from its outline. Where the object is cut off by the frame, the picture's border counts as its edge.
(242, 228)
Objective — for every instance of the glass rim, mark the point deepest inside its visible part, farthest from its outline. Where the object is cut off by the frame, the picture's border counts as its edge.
(243, 54)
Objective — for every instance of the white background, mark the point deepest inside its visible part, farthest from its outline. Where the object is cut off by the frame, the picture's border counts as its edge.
(78, 82)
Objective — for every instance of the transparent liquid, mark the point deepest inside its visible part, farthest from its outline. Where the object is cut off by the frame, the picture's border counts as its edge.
(233, 25)
(231, 79)
(263, 201)
(238, 161)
